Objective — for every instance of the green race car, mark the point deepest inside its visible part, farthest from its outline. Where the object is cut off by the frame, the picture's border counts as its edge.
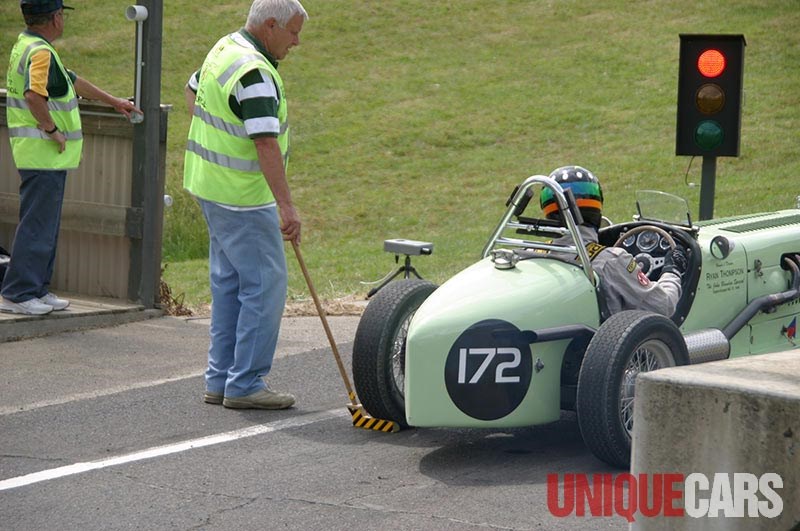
(523, 333)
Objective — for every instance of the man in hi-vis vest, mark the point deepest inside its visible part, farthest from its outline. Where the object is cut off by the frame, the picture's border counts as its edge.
(44, 126)
(235, 165)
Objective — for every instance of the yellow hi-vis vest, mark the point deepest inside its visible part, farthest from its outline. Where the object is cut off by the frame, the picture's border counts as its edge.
(31, 147)
(221, 162)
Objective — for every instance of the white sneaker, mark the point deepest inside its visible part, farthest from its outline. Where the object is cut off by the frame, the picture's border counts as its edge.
(55, 302)
(30, 307)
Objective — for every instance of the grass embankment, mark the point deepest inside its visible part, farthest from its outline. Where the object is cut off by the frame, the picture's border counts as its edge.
(416, 119)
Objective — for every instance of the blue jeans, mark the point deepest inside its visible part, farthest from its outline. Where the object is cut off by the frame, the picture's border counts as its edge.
(41, 194)
(247, 271)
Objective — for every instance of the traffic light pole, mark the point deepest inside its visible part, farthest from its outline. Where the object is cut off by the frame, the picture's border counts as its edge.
(148, 192)
(709, 176)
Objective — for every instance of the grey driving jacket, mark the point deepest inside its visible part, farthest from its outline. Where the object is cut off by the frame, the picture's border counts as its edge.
(623, 283)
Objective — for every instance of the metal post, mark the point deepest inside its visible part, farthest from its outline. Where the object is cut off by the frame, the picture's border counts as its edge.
(709, 175)
(148, 180)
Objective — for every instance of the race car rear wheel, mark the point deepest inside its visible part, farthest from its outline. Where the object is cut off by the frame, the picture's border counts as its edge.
(626, 345)
(380, 347)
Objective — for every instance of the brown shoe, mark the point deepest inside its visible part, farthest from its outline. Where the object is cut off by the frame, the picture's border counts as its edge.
(264, 399)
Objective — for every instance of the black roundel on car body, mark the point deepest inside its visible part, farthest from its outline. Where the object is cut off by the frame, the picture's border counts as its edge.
(488, 369)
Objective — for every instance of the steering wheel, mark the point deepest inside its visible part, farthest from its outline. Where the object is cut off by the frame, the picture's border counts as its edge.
(646, 258)
(642, 228)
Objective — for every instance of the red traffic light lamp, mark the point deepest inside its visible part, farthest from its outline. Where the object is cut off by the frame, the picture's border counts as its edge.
(711, 63)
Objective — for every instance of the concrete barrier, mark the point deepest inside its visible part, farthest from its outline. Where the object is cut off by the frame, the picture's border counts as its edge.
(83, 313)
(734, 424)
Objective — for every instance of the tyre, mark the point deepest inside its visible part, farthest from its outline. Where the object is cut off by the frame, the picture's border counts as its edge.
(627, 344)
(380, 346)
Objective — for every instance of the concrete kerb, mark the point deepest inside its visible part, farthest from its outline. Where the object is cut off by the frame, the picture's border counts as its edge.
(732, 416)
(83, 313)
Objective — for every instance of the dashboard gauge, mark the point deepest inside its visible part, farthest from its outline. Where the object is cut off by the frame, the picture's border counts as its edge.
(628, 242)
(647, 241)
(664, 244)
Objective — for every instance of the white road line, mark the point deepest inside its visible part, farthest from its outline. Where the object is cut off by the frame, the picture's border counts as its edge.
(7, 410)
(158, 451)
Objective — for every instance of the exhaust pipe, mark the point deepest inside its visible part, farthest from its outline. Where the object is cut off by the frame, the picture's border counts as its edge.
(766, 302)
(707, 345)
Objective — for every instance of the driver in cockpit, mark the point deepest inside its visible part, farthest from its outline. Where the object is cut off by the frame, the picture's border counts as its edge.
(622, 282)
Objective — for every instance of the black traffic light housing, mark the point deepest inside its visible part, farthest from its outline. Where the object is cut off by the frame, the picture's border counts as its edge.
(710, 95)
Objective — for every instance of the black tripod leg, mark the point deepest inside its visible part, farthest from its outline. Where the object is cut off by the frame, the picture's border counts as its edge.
(375, 290)
(405, 270)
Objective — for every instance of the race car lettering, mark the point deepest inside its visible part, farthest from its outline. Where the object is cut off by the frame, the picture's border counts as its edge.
(643, 280)
(632, 266)
(723, 273)
(725, 280)
(490, 353)
(488, 369)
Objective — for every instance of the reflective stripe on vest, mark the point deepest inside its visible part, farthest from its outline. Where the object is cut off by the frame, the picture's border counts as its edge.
(30, 146)
(221, 162)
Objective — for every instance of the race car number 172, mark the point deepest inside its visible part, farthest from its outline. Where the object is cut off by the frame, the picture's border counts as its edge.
(488, 369)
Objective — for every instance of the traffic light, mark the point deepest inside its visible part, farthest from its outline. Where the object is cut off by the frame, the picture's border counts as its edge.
(710, 95)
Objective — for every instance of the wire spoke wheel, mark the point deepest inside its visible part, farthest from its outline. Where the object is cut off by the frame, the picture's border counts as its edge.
(626, 345)
(399, 355)
(649, 356)
(379, 348)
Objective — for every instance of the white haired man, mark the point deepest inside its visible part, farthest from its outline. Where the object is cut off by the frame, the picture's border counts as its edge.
(235, 165)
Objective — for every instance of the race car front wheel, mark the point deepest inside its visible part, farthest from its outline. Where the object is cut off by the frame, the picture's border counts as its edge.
(626, 345)
(380, 347)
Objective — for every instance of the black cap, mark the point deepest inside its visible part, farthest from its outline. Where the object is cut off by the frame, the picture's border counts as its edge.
(41, 7)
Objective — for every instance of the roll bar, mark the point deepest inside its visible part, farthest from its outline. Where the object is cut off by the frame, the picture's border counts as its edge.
(566, 214)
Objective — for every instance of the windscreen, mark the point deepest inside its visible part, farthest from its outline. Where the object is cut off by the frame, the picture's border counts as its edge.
(661, 206)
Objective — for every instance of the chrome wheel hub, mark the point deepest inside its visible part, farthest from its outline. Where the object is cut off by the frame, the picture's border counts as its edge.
(649, 356)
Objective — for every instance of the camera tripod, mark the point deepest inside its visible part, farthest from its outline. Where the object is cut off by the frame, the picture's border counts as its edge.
(407, 248)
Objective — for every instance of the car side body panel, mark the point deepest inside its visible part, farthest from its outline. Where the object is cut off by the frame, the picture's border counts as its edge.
(468, 361)
(752, 270)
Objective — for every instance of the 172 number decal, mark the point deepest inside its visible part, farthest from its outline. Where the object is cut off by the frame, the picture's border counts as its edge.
(489, 354)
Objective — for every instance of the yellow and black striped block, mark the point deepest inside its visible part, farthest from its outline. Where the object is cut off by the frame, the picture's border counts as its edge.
(362, 420)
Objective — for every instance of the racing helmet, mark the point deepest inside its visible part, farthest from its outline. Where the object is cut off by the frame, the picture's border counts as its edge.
(586, 189)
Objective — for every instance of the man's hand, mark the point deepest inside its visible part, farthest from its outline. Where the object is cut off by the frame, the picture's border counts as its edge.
(125, 107)
(675, 262)
(290, 223)
(59, 137)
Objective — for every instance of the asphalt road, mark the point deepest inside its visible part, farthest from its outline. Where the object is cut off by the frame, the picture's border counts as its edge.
(106, 429)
